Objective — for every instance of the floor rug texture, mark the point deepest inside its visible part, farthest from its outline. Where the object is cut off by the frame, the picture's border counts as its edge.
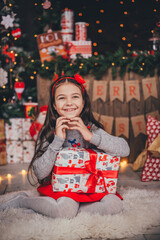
(141, 212)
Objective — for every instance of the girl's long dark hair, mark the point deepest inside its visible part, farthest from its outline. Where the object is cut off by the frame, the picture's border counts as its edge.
(46, 134)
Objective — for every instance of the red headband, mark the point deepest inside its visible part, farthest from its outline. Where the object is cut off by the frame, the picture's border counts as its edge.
(76, 77)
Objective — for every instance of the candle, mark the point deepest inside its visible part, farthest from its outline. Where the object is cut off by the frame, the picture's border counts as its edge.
(9, 176)
(23, 173)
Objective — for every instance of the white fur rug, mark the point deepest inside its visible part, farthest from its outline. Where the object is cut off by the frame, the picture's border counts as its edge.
(141, 211)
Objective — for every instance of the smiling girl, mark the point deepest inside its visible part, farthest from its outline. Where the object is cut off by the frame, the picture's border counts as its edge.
(69, 122)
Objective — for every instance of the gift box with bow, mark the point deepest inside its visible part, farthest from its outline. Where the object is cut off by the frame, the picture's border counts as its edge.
(85, 171)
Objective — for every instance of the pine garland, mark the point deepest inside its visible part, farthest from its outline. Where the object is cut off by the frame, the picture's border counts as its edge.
(142, 63)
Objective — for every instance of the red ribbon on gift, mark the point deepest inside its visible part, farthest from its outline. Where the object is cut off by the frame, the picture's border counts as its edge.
(90, 167)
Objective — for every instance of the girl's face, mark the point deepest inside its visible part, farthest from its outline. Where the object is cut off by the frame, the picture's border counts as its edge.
(68, 100)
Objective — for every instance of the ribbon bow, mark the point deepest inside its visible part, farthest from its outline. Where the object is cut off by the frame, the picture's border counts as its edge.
(93, 178)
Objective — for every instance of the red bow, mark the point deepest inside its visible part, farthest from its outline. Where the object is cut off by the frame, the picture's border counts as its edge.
(79, 79)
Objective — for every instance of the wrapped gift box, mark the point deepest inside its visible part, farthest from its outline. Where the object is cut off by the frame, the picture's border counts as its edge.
(84, 170)
(28, 150)
(3, 154)
(14, 151)
(80, 47)
(14, 131)
(26, 123)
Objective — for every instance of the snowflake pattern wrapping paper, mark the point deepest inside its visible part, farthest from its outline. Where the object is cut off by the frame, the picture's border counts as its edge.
(85, 171)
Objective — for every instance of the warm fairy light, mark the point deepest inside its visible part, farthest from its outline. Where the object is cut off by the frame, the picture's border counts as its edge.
(94, 44)
(35, 4)
(4, 99)
(42, 4)
(0, 179)
(8, 34)
(121, 25)
(15, 63)
(121, 2)
(31, 77)
(141, 69)
(80, 14)
(152, 31)
(129, 45)
(123, 163)
(80, 66)
(71, 64)
(113, 63)
(125, 12)
(123, 57)
(100, 30)
(16, 54)
(15, 38)
(155, 10)
(47, 68)
(87, 24)
(4, 86)
(35, 35)
(123, 38)
(102, 11)
(11, 70)
(143, 64)
(10, 5)
(42, 65)
(34, 72)
(39, 19)
(97, 21)
(95, 63)
(32, 60)
(95, 53)
(132, 0)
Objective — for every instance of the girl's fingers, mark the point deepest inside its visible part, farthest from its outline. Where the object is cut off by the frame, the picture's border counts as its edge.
(61, 122)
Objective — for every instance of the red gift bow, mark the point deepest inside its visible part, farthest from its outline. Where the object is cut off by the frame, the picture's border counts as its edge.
(90, 167)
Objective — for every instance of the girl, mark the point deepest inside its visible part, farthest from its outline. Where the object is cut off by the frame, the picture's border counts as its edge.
(69, 122)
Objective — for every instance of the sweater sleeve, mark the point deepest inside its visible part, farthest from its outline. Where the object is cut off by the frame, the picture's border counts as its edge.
(43, 165)
(112, 145)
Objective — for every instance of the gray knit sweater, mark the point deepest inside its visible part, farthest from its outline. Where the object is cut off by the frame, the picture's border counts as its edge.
(112, 145)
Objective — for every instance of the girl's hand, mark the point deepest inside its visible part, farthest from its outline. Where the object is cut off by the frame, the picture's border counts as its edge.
(76, 123)
(61, 126)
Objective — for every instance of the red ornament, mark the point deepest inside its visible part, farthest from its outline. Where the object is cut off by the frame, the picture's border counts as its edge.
(78, 144)
(19, 88)
(74, 145)
(46, 4)
(16, 33)
(9, 54)
(158, 24)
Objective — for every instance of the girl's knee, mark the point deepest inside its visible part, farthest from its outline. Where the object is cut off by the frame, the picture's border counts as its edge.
(113, 203)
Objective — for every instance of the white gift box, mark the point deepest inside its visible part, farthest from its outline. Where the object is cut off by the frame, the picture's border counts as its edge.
(80, 47)
(14, 151)
(14, 131)
(26, 123)
(28, 150)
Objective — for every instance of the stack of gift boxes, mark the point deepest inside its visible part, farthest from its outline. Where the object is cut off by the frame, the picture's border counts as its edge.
(80, 45)
(19, 143)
